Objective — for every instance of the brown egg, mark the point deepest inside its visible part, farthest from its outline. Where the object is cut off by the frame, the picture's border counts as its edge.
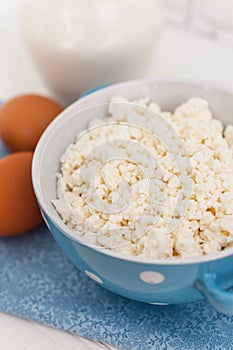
(19, 211)
(23, 120)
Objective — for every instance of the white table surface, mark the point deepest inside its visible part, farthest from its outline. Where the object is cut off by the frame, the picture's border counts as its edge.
(180, 55)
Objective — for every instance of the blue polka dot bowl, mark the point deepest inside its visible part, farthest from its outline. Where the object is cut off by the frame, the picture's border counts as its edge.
(147, 280)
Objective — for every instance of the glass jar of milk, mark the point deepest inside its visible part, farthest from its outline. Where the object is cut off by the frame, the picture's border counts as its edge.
(80, 44)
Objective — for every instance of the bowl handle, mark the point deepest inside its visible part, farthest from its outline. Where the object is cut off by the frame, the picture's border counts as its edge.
(217, 297)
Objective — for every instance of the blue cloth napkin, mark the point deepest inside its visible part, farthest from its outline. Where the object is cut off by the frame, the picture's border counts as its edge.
(38, 283)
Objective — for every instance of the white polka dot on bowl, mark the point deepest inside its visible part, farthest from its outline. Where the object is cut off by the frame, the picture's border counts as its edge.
(151, 277)
(94, 277)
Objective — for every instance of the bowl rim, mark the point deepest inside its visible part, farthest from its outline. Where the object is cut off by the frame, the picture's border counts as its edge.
(65, 230)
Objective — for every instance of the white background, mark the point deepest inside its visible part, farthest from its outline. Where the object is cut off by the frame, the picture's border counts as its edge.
(188, 52)
(197, 48)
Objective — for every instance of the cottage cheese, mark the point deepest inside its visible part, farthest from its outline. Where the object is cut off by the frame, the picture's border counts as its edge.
(136, 187)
